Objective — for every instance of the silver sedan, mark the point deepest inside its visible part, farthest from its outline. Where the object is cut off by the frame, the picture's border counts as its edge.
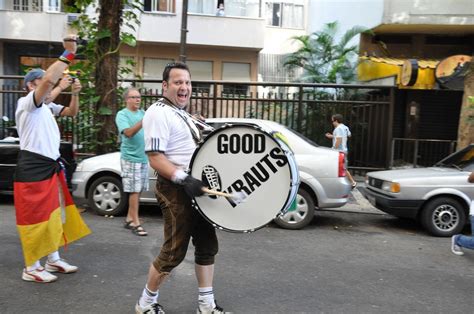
(321, 171)
(438, 197)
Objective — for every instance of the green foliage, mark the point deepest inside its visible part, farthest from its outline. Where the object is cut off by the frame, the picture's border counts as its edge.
(323, 59)
(86, 26)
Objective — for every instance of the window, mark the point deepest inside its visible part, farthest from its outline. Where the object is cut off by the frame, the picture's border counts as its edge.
(54, 6)
(232, 71)
(28, 5)
(201, 71)
(246, 8)
(202, 6)
(285, 15)
(159, 6)
(153, 69)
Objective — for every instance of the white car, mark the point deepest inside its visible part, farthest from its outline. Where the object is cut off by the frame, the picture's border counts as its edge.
(438, 197)
(321, 170)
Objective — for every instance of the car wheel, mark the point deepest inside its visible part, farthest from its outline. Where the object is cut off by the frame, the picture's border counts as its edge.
(106, 196)
(443, 217)
(300, 216)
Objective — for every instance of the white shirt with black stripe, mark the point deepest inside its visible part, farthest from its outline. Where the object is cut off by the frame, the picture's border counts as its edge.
(37, 127)
(167, 132)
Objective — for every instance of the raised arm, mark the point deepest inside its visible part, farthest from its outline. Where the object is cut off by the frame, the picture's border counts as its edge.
(55, 71)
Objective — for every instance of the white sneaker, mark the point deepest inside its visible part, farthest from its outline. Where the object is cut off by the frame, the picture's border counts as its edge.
(154, 308)
(60, 266)
(208, 309)
(456, 249)
(38, 275)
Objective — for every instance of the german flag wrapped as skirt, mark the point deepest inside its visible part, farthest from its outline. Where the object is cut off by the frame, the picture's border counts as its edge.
(42, 225)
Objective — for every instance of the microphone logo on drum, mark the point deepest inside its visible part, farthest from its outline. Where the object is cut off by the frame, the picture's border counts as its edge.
(211, 178)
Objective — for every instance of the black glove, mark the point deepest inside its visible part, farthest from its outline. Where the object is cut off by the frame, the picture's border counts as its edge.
(193, 187)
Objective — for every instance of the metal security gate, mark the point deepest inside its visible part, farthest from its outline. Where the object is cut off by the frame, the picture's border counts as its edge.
(306, 108)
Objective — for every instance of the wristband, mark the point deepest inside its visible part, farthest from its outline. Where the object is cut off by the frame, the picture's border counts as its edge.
(75, 94)
(178, 176)
(67, 55)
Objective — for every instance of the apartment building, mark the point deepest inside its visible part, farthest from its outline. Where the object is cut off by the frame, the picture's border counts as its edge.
(219, 47)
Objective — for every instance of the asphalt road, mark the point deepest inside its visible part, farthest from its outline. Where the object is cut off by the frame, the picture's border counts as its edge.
(350, 261)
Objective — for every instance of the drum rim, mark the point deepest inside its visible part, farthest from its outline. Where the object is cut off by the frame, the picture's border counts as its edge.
(291, 184)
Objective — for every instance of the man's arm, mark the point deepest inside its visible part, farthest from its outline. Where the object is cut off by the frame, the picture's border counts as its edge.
(54, 72)
(131, 131)
(338, 142)
(73, 108)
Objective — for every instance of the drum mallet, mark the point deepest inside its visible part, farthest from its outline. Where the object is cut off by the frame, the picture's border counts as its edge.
(237, 197)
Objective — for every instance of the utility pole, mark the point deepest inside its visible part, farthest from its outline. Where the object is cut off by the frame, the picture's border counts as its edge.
(184, 26)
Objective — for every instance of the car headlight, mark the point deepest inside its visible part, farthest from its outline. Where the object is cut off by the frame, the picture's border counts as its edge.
(392, 187)
(79, 166)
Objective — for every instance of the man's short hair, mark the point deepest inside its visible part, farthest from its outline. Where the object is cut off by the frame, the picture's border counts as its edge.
(174, 65)
(337, 117)
(33, 75)
(128, 90)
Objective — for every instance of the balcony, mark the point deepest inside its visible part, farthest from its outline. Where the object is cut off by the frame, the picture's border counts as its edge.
(207, 30)
(20, 25)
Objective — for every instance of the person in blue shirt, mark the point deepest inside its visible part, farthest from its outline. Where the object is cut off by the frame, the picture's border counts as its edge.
(133, 160)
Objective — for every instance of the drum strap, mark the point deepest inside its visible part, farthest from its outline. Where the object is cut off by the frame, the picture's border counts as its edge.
(196, 134)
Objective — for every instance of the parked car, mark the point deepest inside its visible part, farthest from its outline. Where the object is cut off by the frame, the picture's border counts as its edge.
(9, 148)
(438, 197)
(323, 183)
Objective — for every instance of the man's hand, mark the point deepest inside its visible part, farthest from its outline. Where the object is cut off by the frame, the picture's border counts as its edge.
(471, 178)
(65, 82)
(70, 43)
(76, 86)
(193, 187)
(328, 135)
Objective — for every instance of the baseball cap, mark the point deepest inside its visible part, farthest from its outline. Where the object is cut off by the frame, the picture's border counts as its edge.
(33, 75)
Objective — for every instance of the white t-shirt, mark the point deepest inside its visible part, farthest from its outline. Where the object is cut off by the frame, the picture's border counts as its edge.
(167, 132)
(343, 132)
(37, 128)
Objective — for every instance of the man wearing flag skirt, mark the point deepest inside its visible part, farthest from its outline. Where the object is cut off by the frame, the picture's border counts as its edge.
(46, 216)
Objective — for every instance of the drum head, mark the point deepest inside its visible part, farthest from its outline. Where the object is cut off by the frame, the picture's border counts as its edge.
(243, 158)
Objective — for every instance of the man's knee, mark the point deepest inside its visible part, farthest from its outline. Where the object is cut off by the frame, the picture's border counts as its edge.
(165, 264)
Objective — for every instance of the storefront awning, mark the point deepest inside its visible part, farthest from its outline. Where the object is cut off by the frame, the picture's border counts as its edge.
(408, 73)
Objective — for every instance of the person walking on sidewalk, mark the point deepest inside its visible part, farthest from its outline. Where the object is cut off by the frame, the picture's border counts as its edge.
(460, 241)
(170, 140)
(133, 160)
(339, 141)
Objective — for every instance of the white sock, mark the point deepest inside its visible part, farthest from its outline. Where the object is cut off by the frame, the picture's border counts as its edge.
(148, 297)
(53, 257)
(206, 296)
(35, 266)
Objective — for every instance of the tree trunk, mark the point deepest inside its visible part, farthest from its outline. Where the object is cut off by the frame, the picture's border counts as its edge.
(466, 117)
(110, 19)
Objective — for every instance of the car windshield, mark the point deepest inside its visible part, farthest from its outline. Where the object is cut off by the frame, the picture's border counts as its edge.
(461, 160)
(291, 134)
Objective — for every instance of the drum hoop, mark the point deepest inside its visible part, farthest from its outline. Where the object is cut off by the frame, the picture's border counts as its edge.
(291, 185)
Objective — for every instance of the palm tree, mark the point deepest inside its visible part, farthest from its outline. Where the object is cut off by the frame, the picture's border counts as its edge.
(322, 59)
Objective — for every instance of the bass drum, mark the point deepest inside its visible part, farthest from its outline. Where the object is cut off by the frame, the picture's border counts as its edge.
(248, 159)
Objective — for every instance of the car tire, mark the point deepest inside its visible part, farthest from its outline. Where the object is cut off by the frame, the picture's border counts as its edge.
(301, 216)
(106, 196)
(443, 217)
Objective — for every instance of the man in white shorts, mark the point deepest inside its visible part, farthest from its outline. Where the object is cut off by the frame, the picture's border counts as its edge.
(133, 159)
